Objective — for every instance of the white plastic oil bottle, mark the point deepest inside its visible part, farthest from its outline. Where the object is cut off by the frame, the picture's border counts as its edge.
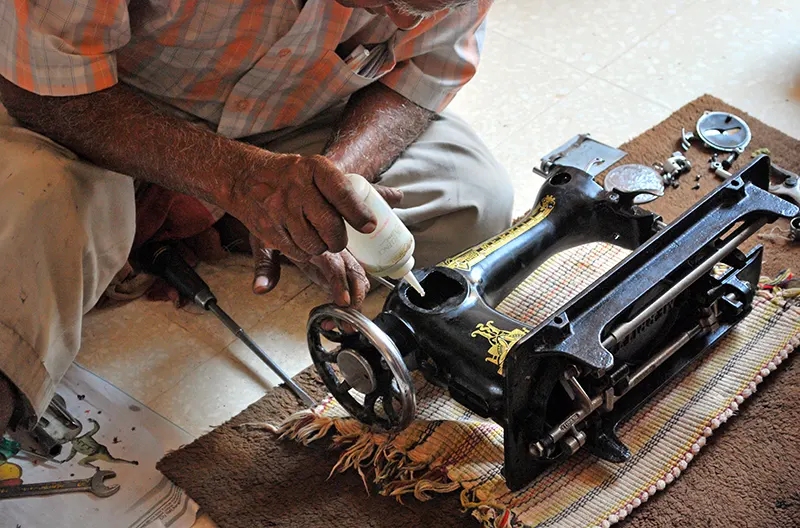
(387, 251)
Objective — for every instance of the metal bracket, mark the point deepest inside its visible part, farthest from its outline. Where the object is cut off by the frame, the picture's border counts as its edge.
(581, 152)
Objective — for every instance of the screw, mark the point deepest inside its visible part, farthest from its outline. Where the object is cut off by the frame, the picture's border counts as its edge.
(697, 178)
(536, 449)
(696, 187)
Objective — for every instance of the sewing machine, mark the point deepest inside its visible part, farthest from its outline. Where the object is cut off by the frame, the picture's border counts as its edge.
(568, 382)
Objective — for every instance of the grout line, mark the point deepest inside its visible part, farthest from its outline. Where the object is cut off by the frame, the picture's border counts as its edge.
(272, 312)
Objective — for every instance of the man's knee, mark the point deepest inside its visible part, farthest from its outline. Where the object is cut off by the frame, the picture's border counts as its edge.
(478, 208)
(456, 194)
(67, 229)
(64, 205)
(482, 194)
(493, 207)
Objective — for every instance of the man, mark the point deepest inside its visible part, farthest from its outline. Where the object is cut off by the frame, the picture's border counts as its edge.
(257, 108)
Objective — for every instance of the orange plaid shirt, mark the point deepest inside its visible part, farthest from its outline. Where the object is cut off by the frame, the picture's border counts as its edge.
(243, 66)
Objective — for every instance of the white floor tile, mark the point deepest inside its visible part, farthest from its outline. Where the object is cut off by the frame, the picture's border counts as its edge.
(513, 85)
(747, 53)
(230, 280)
(235, 378)
(583, 33)
(140, 350)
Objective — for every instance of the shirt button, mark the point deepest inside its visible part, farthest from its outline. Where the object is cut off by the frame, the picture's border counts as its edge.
(284, 52)
(242, 105)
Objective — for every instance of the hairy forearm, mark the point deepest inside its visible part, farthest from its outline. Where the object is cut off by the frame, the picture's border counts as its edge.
(120, 130)
(377, 125)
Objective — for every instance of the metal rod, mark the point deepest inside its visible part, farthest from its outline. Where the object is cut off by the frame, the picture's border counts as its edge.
(242, 335)
(656, 361)
(707, 265)
(384, 282)
(641, 373)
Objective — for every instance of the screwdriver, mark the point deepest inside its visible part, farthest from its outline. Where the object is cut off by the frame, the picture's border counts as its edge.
(164, 261)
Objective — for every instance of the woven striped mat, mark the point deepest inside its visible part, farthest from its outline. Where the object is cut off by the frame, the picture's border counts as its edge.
(448, 448)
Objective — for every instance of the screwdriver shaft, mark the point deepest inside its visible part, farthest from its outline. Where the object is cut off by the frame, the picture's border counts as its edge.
(239, 332)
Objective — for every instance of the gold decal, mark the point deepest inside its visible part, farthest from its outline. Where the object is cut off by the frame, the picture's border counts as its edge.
(501, 341)
(467, 259)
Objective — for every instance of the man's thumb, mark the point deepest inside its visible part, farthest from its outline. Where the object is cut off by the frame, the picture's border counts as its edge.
(267, 268)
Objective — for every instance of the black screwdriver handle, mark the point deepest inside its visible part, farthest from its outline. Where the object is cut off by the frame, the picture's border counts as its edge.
(163, 260)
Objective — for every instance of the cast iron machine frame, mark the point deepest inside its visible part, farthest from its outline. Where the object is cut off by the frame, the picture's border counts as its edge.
(569, 381)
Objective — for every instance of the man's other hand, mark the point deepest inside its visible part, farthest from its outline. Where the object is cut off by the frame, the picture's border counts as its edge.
(297, 204)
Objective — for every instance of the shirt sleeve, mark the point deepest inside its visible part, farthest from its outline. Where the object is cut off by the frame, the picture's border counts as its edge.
(62, 47)
(439, 56)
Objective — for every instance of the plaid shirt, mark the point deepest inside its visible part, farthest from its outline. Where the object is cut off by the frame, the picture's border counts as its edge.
(245, 66)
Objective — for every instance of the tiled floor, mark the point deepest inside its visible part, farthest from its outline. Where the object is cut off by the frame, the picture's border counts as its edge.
(551, 69)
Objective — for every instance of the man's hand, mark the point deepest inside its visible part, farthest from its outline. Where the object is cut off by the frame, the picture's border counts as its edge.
(297, 205)
(339, 274)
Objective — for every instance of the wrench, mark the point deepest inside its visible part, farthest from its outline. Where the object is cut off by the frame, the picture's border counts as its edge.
(93, 484)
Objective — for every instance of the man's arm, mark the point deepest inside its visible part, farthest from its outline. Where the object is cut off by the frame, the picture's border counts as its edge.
(377, 126)
(290, 202)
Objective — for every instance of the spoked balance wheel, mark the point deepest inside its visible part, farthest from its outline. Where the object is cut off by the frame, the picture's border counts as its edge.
(364, 369)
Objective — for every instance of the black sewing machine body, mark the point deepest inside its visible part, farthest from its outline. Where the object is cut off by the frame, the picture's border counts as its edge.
(570, 380)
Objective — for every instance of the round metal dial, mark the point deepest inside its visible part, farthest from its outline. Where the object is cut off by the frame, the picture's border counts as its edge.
(635, 178)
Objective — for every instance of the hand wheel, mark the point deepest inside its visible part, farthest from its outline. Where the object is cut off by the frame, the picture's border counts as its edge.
(366, 362)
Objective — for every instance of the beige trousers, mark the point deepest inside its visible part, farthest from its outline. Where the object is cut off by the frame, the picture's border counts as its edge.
(66, 228)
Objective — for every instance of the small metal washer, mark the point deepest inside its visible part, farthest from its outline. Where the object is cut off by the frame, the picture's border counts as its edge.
(635, 177)
(794, 228)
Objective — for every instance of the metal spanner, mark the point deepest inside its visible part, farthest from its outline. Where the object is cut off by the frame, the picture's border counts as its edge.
(93, 484)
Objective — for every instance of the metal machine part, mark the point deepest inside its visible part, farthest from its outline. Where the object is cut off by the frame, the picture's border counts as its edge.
(566, 383)
(94, 484)
(794, 229)
(55, 428)
(790, 186)
(367, 362)
(635, 178)
(582, 152)
(720, 131)
(675, 166)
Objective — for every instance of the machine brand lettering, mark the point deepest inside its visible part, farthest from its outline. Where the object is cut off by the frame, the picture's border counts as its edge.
(501, 341)
(467, 259)
(647, 323)
(569, 422)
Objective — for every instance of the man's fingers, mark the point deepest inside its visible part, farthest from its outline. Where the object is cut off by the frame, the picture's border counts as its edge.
(356, 279)
(327, 222)
(267, 268)
(392, 196)
(334, 270)
(338, 190)
(304, 234)
(278, 237)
